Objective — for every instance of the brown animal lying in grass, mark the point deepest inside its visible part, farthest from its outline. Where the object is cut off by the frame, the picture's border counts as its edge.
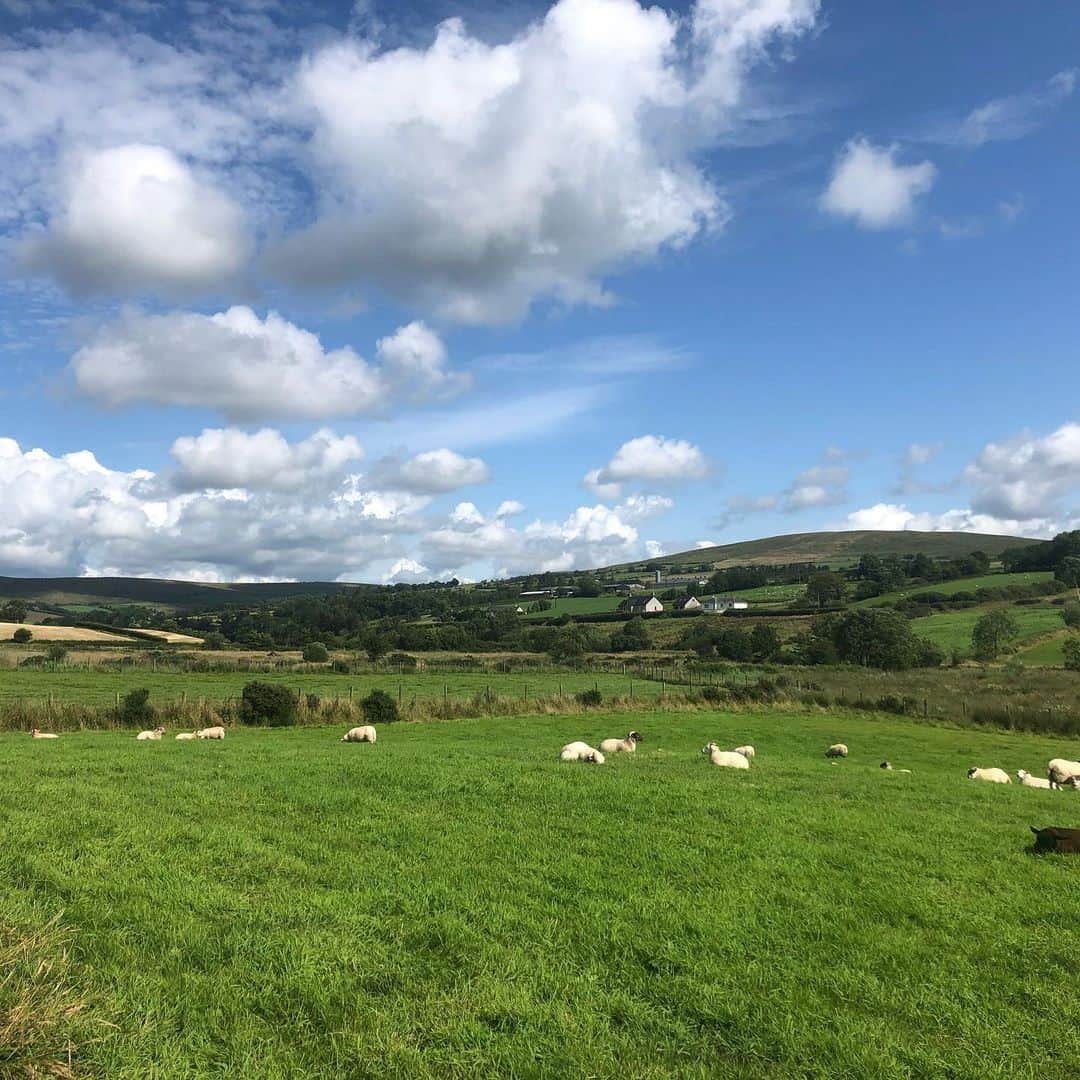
(1065, 841)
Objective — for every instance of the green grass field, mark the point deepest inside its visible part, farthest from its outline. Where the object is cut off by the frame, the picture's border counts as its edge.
(952, 629)
(97, 687)
(1046, 653)
(456, 902)
(574, 605)
(949, 588)
(769, 594)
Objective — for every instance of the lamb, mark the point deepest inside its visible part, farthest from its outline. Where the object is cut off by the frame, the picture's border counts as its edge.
(210, 733)
(746, 751)
(627, 745)
(836, 750)
(35, 734)
(154, 735)
(186, 735)
(1027, 780)
(888, 766)
(581, 751)
(1062, 771)
(991, 776)
(1064, 841)
(359, 734)
(727, 759)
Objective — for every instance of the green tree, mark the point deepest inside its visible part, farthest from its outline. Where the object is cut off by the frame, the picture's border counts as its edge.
(632, 636)
(135, 708)
(825, 588)
(1071, 649)
(1070, 615)
(56, 652)
(992, 634)
(764, 641)
(874, 637)
(14, 611)
(380, 708)
(568, 644)
(267, 703)
(315, 652)
(22, 635)
(214, 641)
(1068, 572)
(588, 586)
(376, 645)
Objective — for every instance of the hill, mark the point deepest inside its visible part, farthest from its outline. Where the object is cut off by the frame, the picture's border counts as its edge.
(839, 548)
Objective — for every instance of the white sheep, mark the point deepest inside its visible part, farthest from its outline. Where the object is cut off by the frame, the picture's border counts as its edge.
(1027, 780)
(210, 733)
(746, 751)
(35, 734)
(991, 776)
(154, 735)
(888, 767)
(1063, 771)
(727, 759)
(581, 751)
(627, 745)
(359, 734)
(185, 736)
(836, 750)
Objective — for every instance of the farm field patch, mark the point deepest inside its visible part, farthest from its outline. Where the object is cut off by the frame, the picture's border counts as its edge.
(952, 629)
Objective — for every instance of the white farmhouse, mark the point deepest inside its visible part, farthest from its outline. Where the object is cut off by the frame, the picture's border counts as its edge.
(717, 605)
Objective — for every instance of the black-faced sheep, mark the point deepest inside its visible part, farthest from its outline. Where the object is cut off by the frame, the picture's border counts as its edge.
(990, 776)
(1062, 771)
(726, 759)
(154, 736)
(625, 746)
(837, 750)
(1027, 780)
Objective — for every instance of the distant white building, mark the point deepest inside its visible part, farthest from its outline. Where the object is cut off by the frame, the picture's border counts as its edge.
(717, 605)
(640, 606)
(691, 603)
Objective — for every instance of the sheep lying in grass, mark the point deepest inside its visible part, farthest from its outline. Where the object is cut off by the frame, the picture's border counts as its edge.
(359, 734)
(211, 733)
(887, 765)
(35, 734)
(836, 750)
(627, 745)
(1027, 780)
(747, 752)
(581, 751)
(186, 736)
(990, 776)
(726, 759)
(1063, 841)
(1063, 771)
(155, 735)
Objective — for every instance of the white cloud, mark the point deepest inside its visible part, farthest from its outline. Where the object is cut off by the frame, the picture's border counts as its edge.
(406, 570)
(1026, 477)
(136, 217)
(820, 485)
(466, 514)
(650, 458)
(704, 543)
(245, 367)
(897, 517)
(870, 187)
(431, 472)
(477, 178)
(1010, 117)
(921, 454)
(228, 458)
(509, 508)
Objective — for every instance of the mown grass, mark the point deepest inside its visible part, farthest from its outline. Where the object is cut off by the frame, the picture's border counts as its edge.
(970, 584)
(952, 629)
(455, 902)
(1048, 653)
(573, 605)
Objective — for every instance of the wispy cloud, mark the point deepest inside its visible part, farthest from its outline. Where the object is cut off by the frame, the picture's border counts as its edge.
(620, 354)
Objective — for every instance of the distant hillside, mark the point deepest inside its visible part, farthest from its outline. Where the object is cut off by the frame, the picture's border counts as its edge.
(107, 591)
(840, 548)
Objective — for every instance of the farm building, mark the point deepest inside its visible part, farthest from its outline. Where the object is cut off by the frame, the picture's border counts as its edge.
(688, 603)
(639, 605)
(717, 605)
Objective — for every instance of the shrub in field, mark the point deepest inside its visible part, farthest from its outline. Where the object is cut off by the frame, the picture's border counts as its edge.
(213, 641)
(1070, 615)
(135, 707)
(713, 693)
(56, 652)
(312, 701)
(402, 660)
(379, 708)
(590, 698)
(1071, 650)
(315, 652)
(267, 703)
(340, 667)
(22, 635)
(992, 633)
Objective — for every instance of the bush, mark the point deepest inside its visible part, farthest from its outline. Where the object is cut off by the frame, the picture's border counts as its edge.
(589, 698)
(267, 703)
(22, 635)
(312, 701)
(135, 708)
(713, 693)
(56, 652)
(380, 708)
(340, 667)
(1071, 649)
(315, 653)
(1070, 615)
(213, 641)
(402, 660)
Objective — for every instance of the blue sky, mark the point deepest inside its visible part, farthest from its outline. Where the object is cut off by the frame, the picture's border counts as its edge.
(407, 291)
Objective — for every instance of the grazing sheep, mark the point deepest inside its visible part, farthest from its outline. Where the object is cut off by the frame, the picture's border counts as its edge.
(746, 751)
(888, 766)
(35, 734)
(1027, 780)
(581, 751)
(359, 734)
(1064, 841)
(836, 750)
(154, 735)
(1062, 771)
(627, 745)
(726, 759)
(185, 736)
(211, 733)
(991, 776)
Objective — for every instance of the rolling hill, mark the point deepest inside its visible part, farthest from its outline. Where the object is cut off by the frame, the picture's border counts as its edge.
(841, 548)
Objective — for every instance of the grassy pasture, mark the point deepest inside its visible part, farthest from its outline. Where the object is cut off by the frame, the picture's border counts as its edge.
(952, 629)
(573, 605)
(1048, 653)
(970, 584)
(455, 902)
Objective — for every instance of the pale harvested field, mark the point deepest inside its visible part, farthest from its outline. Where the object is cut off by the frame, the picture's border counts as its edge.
(57, 633)
(170, 637)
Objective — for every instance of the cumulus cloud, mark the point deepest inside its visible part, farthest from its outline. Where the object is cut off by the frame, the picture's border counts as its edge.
(137, 217)
(820, 485)
(870, 187)
(897, 517)
(648, 458)
(250, 368)
(264, 460)
(431, 472)
(476, 178)
(405, 570)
